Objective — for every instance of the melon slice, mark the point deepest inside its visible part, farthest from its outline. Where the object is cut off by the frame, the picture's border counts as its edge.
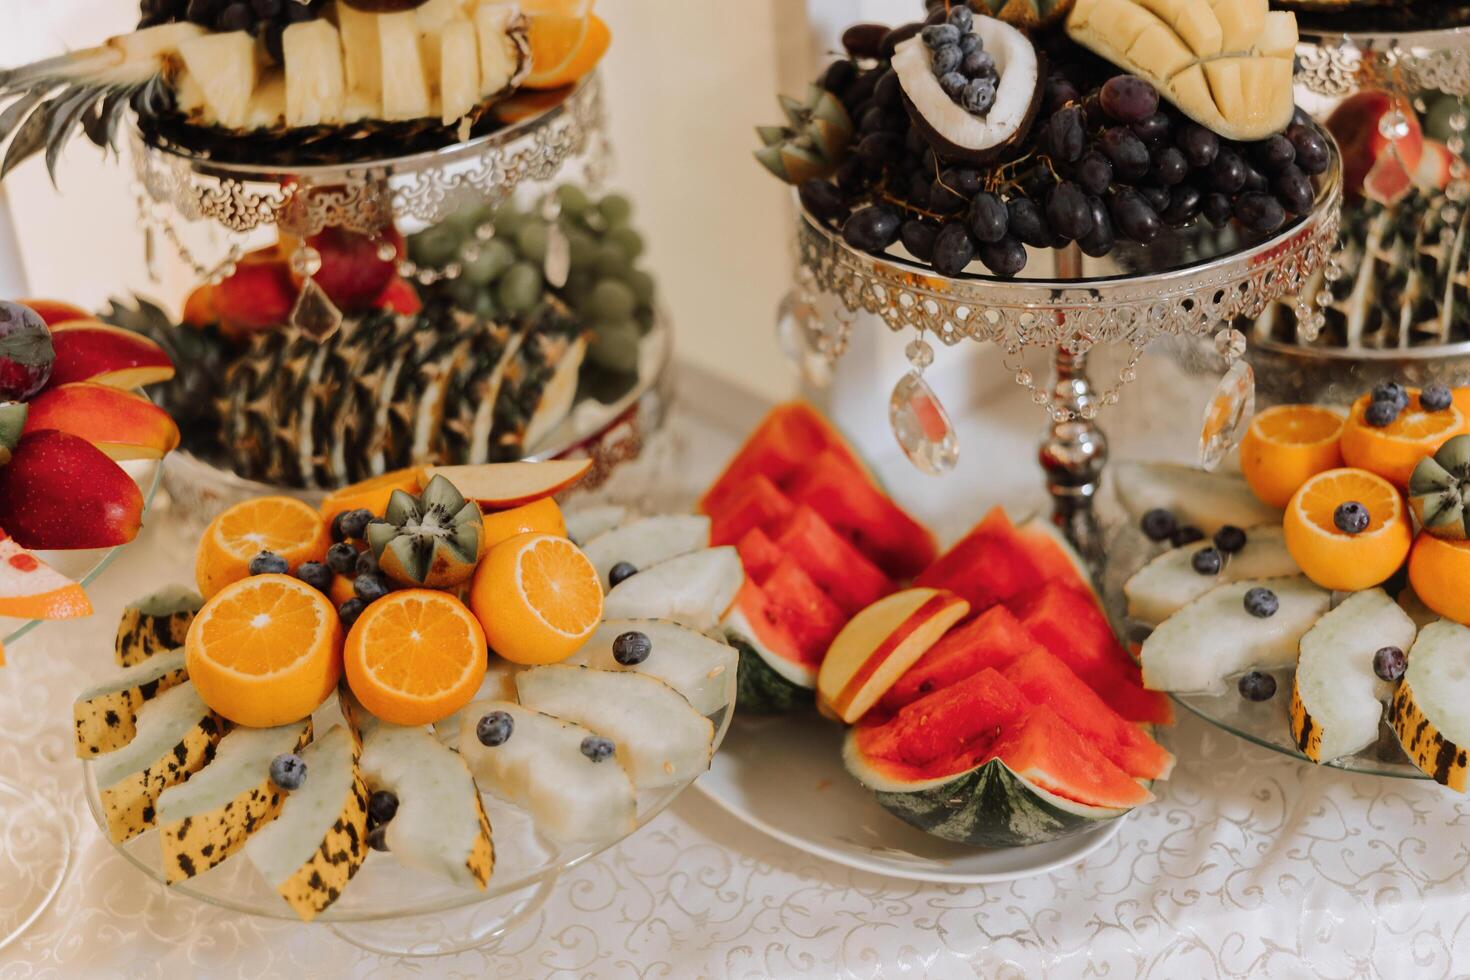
(31, 589)
(1054, 555)
(1429, 710)
(1207, 501)
(690, 662)
(759, 555)
(879, 644)
(661, 739)
(176, 737)
(1336, 699)
(696, 589)
(758, 505)
(499, 685)
(319, 838)
(805, 611)
(155, 623)
(210, 817)
(542, 767)
(586, 523)
(785, 440)
(1169, 582)
(852, 504)
(106, 715)
(441, 827)
(1213, 637)
(647, 542)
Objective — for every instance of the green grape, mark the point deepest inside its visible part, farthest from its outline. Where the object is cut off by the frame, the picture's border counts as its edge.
(628, 240)
(485, 307)
(615, 346)
(611, 300)
(436, 247)
(508, 221)
(519, 290)
(573, 200)
(468, 219)
(612, 262)
(645, 317)
(583, 248)
(495, 257)
(463, 293)
(643, 285)
(531, 239)
(616, 209)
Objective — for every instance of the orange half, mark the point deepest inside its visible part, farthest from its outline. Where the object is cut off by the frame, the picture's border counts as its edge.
(538, 597)
(1286, 446)
(1395, 449)
(1333, 558)
(282, 525)
(565, 49)
(415, 657)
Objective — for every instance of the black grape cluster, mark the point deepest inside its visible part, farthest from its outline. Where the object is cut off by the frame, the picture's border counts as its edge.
(267, 19)
(1105, 161)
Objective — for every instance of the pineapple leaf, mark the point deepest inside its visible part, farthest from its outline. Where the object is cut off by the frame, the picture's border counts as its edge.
(71, 105)
(17, 111)
(30, 137)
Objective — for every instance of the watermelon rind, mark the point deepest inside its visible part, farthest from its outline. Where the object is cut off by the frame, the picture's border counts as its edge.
(990, 805)
(767, 685)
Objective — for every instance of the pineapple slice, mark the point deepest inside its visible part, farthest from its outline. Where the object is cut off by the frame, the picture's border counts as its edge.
(363, 55)
(406, 92)
(459, 70)
(227, 68)
(498, 54)
(268, 105)
(316, 87)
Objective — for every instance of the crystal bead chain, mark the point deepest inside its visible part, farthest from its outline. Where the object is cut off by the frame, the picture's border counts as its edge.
(153, 218)
(1046, 398)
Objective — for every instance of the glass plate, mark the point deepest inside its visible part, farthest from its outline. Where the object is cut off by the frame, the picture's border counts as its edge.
(1265, 723)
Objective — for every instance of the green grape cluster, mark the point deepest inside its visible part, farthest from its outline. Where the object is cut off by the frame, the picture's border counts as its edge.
(504, 277)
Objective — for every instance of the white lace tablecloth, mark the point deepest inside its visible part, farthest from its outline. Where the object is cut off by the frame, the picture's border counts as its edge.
(1249, 864)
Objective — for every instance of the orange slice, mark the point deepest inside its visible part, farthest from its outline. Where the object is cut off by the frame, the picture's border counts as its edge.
(371, 494)
(1286, 446)
(538, 597)
(1394, 450)
(415, 657)
(282, 525)
(564, 49)
(265, 651)
(32, 589)
(541, 517)
(1333, 558)
(1438, 571)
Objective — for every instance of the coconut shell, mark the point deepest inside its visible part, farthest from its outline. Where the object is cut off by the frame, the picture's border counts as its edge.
(949, 150)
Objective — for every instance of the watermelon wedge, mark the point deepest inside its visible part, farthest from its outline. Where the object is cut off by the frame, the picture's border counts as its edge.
(759, 504)
(989, 565)
(1054, 554)
(781, 445)
(759, 555)
(993, 639)
(841, 571)
(31, 589)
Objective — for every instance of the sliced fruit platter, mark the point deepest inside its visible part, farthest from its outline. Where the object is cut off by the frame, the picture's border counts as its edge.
(75, 440)
(990, 127)
(1317, 603)
(984, 695)
(421, 695)
(300, 82)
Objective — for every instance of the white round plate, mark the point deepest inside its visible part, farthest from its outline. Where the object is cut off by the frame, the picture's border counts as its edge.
(784, 776)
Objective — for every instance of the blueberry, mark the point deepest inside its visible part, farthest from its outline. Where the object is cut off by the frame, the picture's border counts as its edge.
(978, 97)
(632, 648)
(947, 59)
(1257, 686)
(382, 807)
(355, 522)
(288, 771)
(1188, 534)
(1229, 539)
(620, 572)
(1206, 561)
(1261, 603)
(962, 18)
(495, 728)
(938, 35)
(1159, 524)
(370, 587)
(1351, 517)
(597, 748)
(367, 563)
(336, 528)
(970, 42)
(350, 610)
(268, 563)
(953, 85)
(1380, 414)
(316, 575)
(377, 838)
(342, 558)
(1436, 397)
(1389, 663)
(978, 64)
(1391, 391)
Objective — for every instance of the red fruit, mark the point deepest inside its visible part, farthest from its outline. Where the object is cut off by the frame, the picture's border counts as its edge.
(839, 569)
(27, 355)
(352, 274)
(856, 509)
(991, 564)
(758, 554)
(993, 639)
(811, 618)
(1368, 166)
(259, 294)
(400, 297)
(122, 424)
(54, 312)
(88, 350)
(61, 492)
(787, 438)
(758, 505)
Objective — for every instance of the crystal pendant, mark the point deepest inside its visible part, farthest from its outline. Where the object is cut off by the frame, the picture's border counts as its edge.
(922, 426)
(1228, 414)
(796, 331)
(314, 313)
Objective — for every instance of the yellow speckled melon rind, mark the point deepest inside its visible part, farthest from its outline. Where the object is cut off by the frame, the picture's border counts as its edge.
(141, 634)
(110, 720)
(131, 803)
(481, 862)
(1307, 734)
(319, 882)
(1436, 756)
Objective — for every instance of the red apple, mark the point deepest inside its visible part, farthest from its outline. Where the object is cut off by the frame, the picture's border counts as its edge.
(400, 297)
(351, 274)
(27, 354)
(199, 311)
(500, 486)
(258, 296)
(89, 350)
(1436, 167)
(122, 424)
(54, 312)
(61, 492)
(1368, 166)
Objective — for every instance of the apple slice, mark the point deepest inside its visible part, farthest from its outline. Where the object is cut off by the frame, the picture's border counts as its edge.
(500, 486)
(122, 424)
(89, 350)
(31, 589)
(695, 590)
(54, 312)
(879, 644)
(60, 492)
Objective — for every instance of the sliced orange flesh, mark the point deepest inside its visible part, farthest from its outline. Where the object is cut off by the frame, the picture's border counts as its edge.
(553, 578)
(1319, 501)
(1336, 559)
(1287, 445)
(1393, 450)
(416, 656)
(284, 526)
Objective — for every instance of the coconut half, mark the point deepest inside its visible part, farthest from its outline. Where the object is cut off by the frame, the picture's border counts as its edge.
(953, 131)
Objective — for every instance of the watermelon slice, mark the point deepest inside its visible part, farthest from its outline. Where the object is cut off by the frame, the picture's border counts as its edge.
(758, 554)
(759, 504)
(992, 639)
(785, 440)
(809, 616)
(1054, 554)
(1035, 749)
(990, 564)
(839, 569)
(1069, 624)
(860, 512)
(774, 673)
(31, 589)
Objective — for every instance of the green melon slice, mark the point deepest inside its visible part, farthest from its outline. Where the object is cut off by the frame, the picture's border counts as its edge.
(586, 523)
(210, 817)
(661, 739)
(1336, 699)
(106, 715)
(542, 767)
(647, 542)
(1213, 637)
(690, 662)
(319, 839)
(1208, 501)
(694, 589)
(499, 685)
(1169, 583)
(1430, 711)
(441, 827)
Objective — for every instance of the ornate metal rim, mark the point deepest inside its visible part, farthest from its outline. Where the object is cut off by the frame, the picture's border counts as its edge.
(1074, 314)
(363, 196)
(1434, 353)
(1339, 63)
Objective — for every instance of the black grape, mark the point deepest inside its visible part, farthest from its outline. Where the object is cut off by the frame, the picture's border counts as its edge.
(1005, 257)
(1126, 151)
(1067, 211)
(1185, 202)
(1294, 188)
(1134, 216)
(1128, 98)
(1227, 173)
(1169, 166)
(918, 237)
(1275, 153)
(1156, 196)
(871, 229)
(988, 218)
(953, 249)
(1312, 154)
(822, 199)
(1101, 239)
(1259, 212)
(1217, 208)
(1027, 222)
(1153, 129)
(1094, 172)
(1200, 146)
(1066, 134)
